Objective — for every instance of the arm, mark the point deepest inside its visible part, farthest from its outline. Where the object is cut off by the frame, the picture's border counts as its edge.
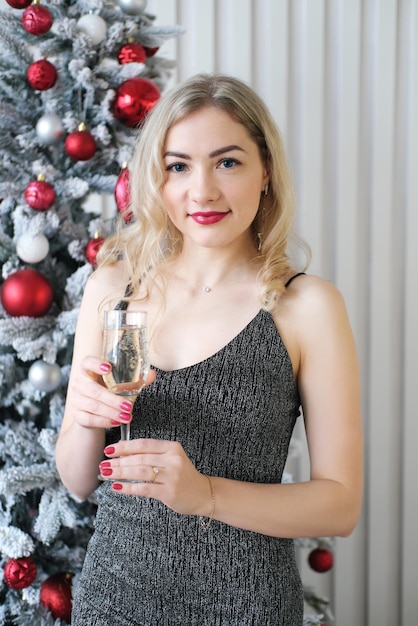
(314, 324)
(89, 406)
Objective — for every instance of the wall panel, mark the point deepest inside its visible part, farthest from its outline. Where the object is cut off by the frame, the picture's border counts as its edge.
(407, 199)
(385, 359)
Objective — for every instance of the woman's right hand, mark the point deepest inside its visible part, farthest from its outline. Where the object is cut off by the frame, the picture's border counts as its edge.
(90, 409)
(91, 404)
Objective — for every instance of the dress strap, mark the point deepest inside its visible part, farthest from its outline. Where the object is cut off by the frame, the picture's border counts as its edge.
(122, 305)
(293, 278)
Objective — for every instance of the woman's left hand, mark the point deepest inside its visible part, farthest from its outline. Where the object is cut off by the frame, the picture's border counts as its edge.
(163, 471)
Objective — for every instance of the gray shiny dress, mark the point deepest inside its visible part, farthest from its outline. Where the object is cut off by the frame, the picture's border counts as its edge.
(234, 414)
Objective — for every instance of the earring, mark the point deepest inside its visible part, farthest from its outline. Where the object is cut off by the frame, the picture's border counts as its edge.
(262, 209)
(260, 233)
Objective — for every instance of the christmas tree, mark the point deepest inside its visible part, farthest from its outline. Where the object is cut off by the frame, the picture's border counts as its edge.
(76, 77)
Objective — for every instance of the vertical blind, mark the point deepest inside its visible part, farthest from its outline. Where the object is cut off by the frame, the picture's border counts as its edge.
(341, 79)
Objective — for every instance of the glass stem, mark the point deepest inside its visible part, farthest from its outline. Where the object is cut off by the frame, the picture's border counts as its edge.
(125, 432)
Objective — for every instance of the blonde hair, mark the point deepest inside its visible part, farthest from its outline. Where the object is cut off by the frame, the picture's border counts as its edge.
(152, 238)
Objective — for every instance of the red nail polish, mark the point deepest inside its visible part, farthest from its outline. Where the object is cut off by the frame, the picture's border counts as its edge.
(115, 423)
(109, 450)
(105, 464)
(125, 417)
(105, 368)
(126, 406)
(106, 471)
(117, 486)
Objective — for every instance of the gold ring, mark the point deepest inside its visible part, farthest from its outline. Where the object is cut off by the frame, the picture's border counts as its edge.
(154, 476)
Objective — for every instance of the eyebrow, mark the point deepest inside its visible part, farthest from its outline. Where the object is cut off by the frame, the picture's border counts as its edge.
(215, 153)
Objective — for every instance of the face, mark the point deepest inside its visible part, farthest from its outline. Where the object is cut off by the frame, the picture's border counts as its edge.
(215, 177)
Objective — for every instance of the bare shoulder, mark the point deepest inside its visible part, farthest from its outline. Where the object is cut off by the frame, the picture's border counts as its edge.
(311, 314)
(309, 295)
(316, 308)
(108, 281)
(318, 316)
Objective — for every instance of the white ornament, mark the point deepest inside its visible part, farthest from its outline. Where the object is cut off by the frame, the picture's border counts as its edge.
(32, 248)
(132, 7)
(49, 128)
(45, 376)
(94, 27)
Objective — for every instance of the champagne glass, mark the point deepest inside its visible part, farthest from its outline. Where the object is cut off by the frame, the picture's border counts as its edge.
(125, 348)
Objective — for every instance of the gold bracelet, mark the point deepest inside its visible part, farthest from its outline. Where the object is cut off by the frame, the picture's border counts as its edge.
(205, 525)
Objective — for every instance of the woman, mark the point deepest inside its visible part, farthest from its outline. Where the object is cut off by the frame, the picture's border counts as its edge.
(239, 342)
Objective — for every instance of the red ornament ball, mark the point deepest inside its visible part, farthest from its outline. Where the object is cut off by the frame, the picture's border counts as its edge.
(19, 573)
(134, 98)
(37, 19)
(80, 145)
(19, 4)
(123, 194)
(92, 248)
(56, 595)
(26, 292)
(132, 53)
(42, 75)
(40, 195)
(321, 560)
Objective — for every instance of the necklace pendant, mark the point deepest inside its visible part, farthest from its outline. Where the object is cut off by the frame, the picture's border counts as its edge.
(206, 289)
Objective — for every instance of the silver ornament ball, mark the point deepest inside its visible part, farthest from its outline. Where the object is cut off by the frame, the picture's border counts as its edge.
(32, 248)
(94, 27)
(49, 129)
(45, 376)
(132, 7)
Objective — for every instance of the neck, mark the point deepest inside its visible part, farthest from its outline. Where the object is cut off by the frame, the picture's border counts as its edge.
(206, 270)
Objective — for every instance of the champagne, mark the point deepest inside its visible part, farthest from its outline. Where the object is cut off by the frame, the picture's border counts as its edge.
(126, 353)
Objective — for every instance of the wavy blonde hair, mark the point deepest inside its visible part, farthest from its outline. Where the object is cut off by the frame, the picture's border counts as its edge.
(151, 238)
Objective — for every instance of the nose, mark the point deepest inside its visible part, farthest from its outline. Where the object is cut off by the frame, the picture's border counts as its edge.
(203, 187)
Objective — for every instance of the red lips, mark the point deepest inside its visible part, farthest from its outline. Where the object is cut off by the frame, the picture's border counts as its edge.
(208, 217)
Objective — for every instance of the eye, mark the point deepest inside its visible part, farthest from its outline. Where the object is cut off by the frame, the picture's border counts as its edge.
(176, 167)
(228, 163)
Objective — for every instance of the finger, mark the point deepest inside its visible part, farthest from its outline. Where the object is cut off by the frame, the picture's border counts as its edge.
(89, 420)
(95, 406)
(145, 446)
(111, 470)
(95, 367)
(95, 398)
(145, 489)
(131, 462)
